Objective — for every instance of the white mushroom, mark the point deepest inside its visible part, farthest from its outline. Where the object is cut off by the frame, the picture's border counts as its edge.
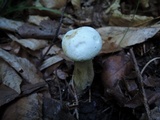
(82, 45)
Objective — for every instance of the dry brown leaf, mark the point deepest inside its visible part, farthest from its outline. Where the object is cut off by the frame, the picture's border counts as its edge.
(114, 70)
(26, 108)
(36, 19)
(50, 61)
(10, 77)
(33, 44)
(117, 38)
(119, 19)
(26, 69)
(53, 3)
(54, 50)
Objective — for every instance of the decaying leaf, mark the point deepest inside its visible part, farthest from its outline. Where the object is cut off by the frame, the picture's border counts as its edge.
(115, 68)
(54, 50)
(31, 31)
(8, 94)
(10, 25)
(53, 3)
(50, 61)
(36, 19)
(119, 19)
(26, 108)
(29, 88)
(9, 76)
(45, 30)
(117, 38)
(26, 69)
(33, 44)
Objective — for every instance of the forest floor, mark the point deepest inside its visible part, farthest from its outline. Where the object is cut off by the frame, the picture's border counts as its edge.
(35, 74)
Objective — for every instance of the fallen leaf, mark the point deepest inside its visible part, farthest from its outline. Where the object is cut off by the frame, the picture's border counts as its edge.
(117, 38)
(33, 44)
(53, 3)
(26, 69)
(50, 61)
(10, 77)
(36, 19)
(119, 19)
(7, 94)
(115, 68)
(46, 29)
(31, 31)
(30, 88)
(26, 108)
(62, 75)
(54, 50)
(10, 25)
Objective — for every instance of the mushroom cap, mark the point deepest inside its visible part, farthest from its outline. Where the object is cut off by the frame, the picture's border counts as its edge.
(82, 44)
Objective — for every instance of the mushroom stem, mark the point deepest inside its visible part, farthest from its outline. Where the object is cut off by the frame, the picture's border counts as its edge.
(83, 75)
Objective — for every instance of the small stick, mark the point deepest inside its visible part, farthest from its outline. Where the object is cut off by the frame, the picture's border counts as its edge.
(140, 80)
(156, 58)
(55, 36)
(89, 95)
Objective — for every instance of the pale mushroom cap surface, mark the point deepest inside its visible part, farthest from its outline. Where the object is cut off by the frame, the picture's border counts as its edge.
(82, 44)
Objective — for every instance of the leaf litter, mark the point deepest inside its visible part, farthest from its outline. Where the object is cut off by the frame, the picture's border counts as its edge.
(33, 81)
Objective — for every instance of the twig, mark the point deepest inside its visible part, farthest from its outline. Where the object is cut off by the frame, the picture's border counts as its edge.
(140, 80)
(59, 87)
(90, 95)
(76, 99)
(148, 64)
(56, 34)
(74, 93)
